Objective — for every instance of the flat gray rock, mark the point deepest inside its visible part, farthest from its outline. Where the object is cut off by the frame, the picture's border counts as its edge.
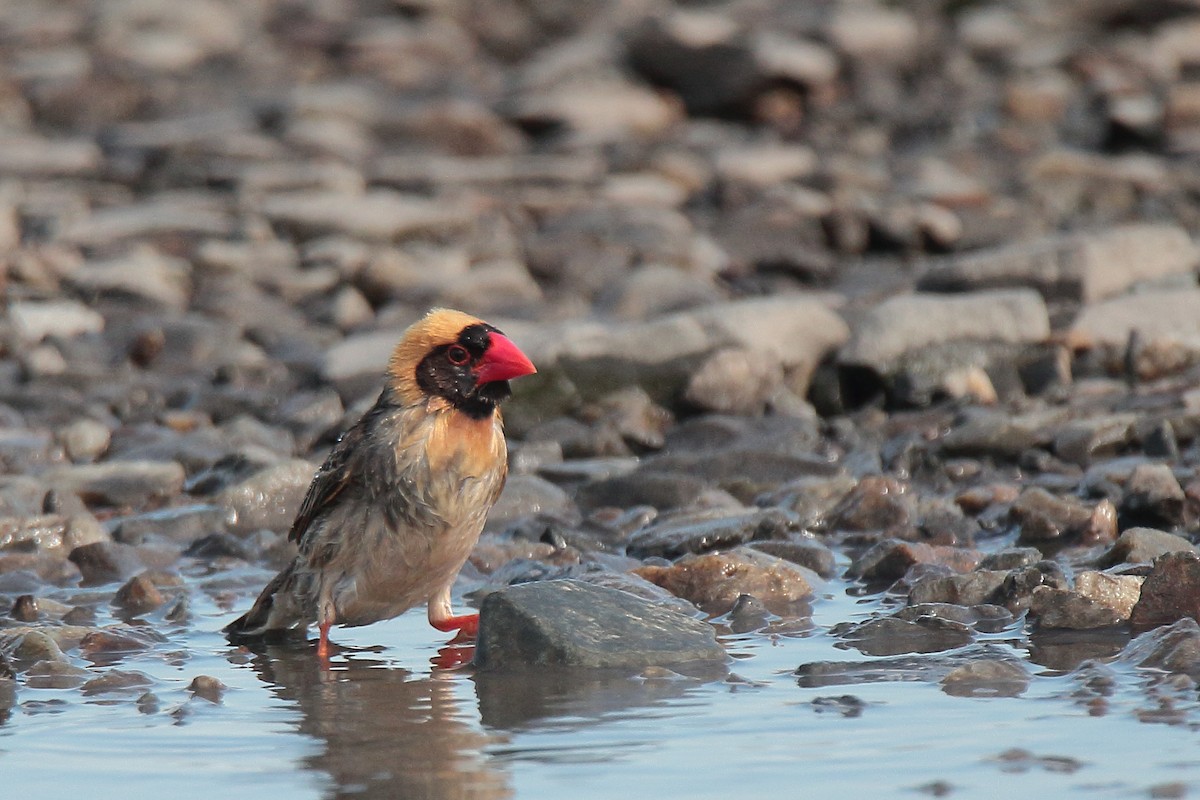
(574, 624)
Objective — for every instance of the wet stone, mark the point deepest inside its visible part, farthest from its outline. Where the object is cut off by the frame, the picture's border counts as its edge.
(106, 562)
(1044, 517)
(807, 553)
(116, 681)
(987, 678)
(876, 503)
(674, 538)
(25, 609)
(713, 581)
(1174, 648)
(1011, 558)
(1170, 592)
(748, 614)
(34, 646)
(1118, 592)
(890, 636)
(985, 618)
(1017, 591)
(1153, 498)
(138, 595)
(662, 490)
(570, 624)
(973, 588)
(1084, 441)
(55, 675)
(267, 499)
(207, 687)
(890, 560)
(183, 524)
(1144, 545)
(1059, 608)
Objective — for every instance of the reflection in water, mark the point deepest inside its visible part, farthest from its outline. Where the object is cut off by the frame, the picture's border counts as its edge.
(386, 734)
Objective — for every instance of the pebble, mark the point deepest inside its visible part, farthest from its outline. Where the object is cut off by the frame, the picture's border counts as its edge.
(572, 624)
(119, 483)
(1170, 592)
(1153, 498)
(106, 562)
(1144, 545)
(702, 532)
(268, 499)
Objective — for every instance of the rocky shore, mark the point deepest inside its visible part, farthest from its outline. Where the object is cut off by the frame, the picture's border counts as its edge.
(893, 300)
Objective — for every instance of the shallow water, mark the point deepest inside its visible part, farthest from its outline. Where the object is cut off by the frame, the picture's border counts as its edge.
(385, 722)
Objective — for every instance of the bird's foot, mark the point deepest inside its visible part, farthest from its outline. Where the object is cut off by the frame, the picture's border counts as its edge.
(323, 643)
(467, 626)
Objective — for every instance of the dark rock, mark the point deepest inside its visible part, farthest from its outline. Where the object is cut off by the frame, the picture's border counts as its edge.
(923, 668)
(971, 589)
(989, 434)
(1143, 545)
(55, 675)
(713, 581)
(1170, 592)
(890, 559)
(106, 562)
(219, 545)
(1083, 441)
(571, 624)
(1160, 442)
(984, 618)
(703, 532)
(207, 687)
(1153, 498)
(25, 609)
(34, 646)
(807, 553)
(890, 636)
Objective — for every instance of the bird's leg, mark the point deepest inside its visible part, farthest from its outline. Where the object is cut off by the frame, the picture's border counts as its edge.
(442, 617)
(323, 642)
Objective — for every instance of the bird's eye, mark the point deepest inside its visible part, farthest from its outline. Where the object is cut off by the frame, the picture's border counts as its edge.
(458, 355)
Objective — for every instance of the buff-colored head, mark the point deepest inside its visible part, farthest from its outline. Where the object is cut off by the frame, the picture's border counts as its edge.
(457, 357)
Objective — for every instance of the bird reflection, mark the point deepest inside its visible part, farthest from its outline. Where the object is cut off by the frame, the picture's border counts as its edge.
(386, 733)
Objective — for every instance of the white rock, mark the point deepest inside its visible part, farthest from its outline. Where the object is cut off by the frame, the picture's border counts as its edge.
(37, 320)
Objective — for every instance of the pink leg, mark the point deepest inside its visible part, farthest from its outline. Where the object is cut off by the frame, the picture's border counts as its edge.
(467, 625)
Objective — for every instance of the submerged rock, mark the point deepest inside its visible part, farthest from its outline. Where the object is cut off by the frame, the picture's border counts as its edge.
(714, 581)
(572, 624)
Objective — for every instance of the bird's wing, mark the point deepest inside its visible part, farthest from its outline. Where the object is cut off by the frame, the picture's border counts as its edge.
(329, 482)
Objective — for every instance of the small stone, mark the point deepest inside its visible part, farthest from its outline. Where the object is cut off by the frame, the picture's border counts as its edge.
(138, 595)
(1170, 592)
(890, 636)
(1173, 648)
(748, 614)
(36, 321)
(1166, 323)
(35, 646)
(1084, 441)
(55, 675)
(85, 439)
(1011, 558)
(181, 524)
(987, 678)
(1143, 545)
(734, 381)
(704, 532)
(567, 623)
(877, 503)
(207, 687)
(527, 496)
(808, 553)
(117, 681)
(1152, 498)
(25, 609)
(713, 581)
(378, 214)
(1118, 592)
(1043, 517)
(1017, 591)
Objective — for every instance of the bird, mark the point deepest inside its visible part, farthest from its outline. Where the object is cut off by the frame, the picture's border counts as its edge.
(393, 512)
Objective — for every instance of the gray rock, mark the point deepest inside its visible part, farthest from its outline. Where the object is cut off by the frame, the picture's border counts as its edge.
(49, 532)
(876, 503)
(987, 678)
(985, 618)
(571, 624)
(1011, 558)
(735, 381)
(748, 614)
(1153, 498)
(1083, 441)
(910, 322)
(891, 636)
(116, 680)
(378, 214)
(923, 668)
(703, 532)
(529, 495)
(85, 439)
(995, 435)
(267, 499)
(1083, 267)
(119, 483)
(1043, 517)
(661, 490)
(807, 553)
(34, 646)
(30, 156)
(891, 559)
(1143, 545)
(974, 588)
(1016, 593)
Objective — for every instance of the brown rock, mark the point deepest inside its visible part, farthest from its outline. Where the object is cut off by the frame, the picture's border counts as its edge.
(876, 503)
(889, 560)
(139, 595)
(713, 581)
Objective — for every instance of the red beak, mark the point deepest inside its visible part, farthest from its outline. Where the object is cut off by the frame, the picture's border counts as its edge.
(503, 361)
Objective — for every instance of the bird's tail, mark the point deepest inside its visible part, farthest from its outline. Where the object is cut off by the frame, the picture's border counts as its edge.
(267, 617)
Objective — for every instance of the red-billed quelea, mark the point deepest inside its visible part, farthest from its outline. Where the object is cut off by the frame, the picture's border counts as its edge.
(394, 511)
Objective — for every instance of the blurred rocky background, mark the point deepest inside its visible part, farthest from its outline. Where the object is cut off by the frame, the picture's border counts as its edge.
(900, 286)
